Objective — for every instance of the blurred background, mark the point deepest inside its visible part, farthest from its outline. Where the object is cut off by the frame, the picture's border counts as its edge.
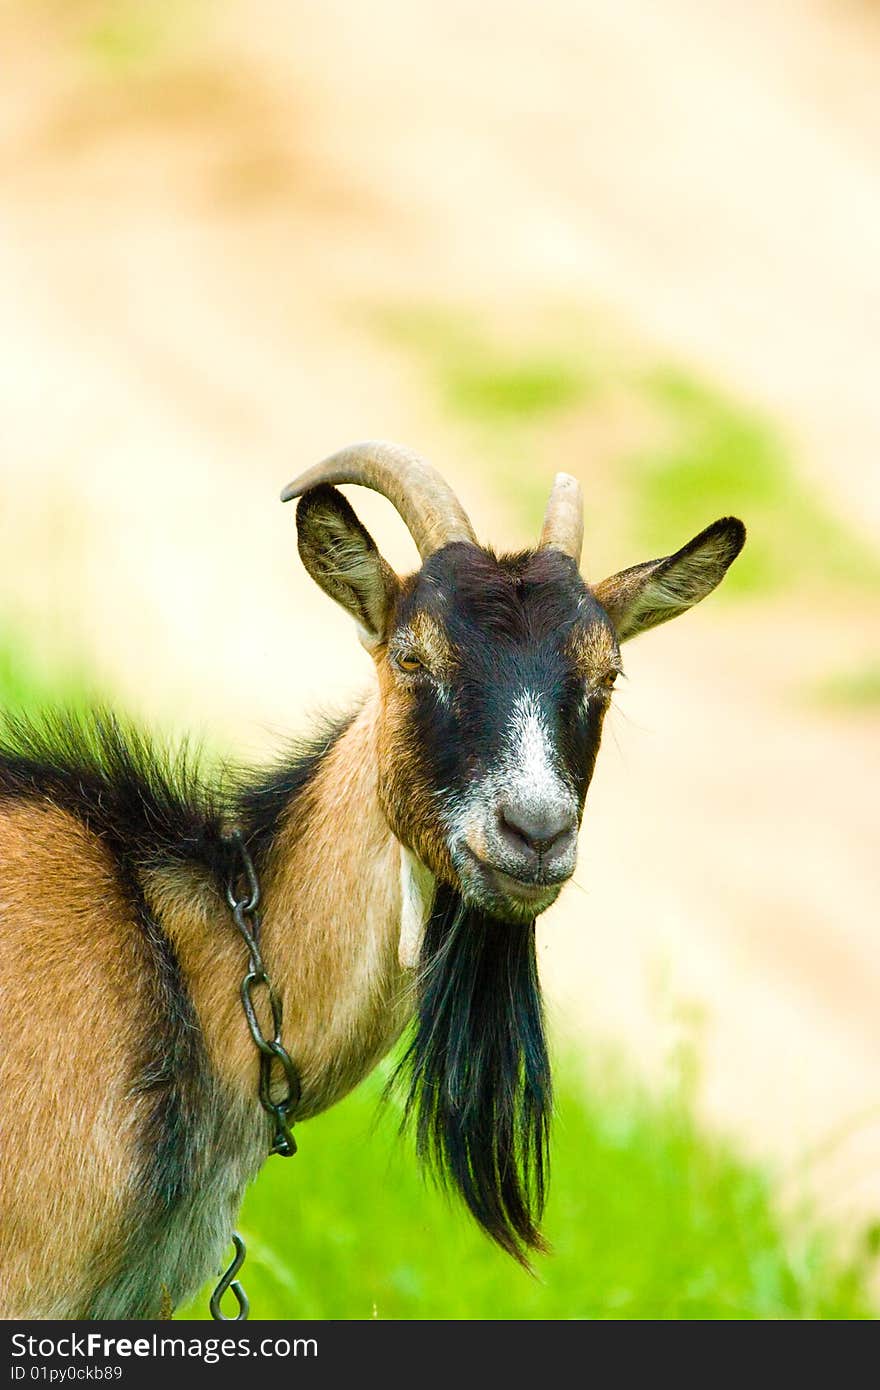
(638, 243)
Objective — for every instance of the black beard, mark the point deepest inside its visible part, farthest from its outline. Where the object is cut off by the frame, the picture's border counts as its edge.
(476, 1072)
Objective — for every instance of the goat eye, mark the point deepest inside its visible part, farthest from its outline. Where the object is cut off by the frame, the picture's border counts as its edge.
(410, 662)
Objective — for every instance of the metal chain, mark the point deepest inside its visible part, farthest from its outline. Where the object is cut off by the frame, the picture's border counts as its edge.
(246, 917)
(229, 1281)
(273, 1054)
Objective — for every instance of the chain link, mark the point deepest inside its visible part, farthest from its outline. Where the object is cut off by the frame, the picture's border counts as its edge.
(274, 1058)
(275, 1061)
(229, 1281)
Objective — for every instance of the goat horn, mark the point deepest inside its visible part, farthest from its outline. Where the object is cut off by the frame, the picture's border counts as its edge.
(427, 504)
(563, 527)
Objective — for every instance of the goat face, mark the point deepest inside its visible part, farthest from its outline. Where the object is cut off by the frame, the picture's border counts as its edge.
(495, 675)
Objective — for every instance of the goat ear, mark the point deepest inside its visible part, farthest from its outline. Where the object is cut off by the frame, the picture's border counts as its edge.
(652, 593)
(341, 556)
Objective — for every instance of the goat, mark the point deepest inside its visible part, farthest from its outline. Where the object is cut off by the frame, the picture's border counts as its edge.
(404, 857)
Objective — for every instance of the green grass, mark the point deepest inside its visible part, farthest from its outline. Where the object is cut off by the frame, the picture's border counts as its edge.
(856, 689)
(484, 382)
(28, 683)
(649, 1217)
(513, 391)
(724, 459)
(121, 39)
(506, 394)
(704, 456)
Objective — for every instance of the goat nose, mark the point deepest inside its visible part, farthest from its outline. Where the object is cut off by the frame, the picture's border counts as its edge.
(537, 829)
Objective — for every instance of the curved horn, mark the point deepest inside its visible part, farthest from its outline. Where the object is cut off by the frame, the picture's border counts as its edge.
(563, 527)
(428, 505)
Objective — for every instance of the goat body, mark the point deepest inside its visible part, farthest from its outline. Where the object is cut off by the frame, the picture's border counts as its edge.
(451, 799)
(128, 1083)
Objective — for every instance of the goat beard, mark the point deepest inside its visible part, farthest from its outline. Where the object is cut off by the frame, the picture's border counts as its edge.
(476, 1075)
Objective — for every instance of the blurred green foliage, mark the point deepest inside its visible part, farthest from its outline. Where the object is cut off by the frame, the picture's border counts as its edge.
(122, 41)
(856, 688)
(512, 391)
(483, 381)
(725, 460)
(123, 38)
(505, 394)
(28, 684)
(707, 456)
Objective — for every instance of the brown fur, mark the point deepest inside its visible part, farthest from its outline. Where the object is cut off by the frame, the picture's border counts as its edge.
(432, 645)
(77, 1008)
(330, 933)
(594, 653)
(403, 791)
(71, 981)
